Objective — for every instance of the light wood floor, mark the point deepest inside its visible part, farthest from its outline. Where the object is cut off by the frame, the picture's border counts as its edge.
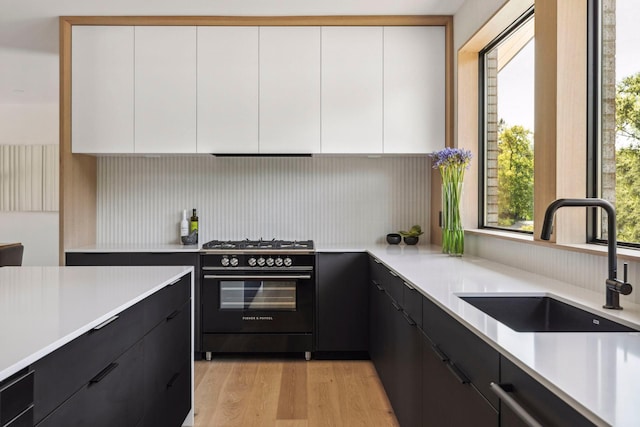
(289, 393)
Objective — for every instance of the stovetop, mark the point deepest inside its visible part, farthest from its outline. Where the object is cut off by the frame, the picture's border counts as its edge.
(259, 245)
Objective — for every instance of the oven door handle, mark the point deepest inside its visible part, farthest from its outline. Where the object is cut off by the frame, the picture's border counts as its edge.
(257, 277)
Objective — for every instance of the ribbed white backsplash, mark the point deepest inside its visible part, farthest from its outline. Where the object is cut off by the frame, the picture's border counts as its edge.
(332, 200)
(580, 269)
(29, 177)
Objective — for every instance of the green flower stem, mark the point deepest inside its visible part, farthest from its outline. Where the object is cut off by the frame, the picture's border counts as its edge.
(452, 229)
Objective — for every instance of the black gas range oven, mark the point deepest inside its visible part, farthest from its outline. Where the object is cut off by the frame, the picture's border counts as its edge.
(257, 296)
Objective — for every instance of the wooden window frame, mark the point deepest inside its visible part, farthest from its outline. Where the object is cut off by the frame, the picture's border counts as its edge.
(560, 127)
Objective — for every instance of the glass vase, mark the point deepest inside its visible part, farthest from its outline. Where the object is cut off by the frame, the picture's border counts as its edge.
(452, 230)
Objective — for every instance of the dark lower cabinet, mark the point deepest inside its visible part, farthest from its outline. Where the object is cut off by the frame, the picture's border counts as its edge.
(343, 302)
(16, 399)
(113, 397)
(167, 350)
(534, 399)
(396, 353)
(447, 398)
(467, 352)
(379, 334)
(132, 370)
(406, 355)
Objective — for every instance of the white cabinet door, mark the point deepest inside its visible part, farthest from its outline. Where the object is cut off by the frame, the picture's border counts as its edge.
(352, 89)
(414, 89)
(102, 89)
(165, 89)
(228, 89)
(289, 89)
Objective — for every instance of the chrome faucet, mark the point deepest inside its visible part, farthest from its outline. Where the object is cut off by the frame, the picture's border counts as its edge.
(614, 287)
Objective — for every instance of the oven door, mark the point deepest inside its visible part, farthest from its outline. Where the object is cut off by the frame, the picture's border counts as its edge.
(246, 302)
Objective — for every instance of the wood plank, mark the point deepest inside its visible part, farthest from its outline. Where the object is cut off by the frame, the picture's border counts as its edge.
(324, 398)
(234, 400)
(292, 404)
(209, 382)
(345, 20)
(262, 401)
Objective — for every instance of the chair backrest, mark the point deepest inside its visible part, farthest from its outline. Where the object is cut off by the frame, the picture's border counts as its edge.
(11, 254)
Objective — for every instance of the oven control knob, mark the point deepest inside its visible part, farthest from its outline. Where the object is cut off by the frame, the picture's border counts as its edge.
(252, 262)
(234, 262)
(261, 262)
(278, 262)
(225, 262)
(270, 262)
(288, 262)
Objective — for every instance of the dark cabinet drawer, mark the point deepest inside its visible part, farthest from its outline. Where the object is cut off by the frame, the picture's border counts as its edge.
(388, 279)
(170, 406)
(446, 401)
(470, 355)
(164, 302)
(113, 396)
(16, 398)
(412, 303)
(61, 373)
(167, 347)
(536, 400)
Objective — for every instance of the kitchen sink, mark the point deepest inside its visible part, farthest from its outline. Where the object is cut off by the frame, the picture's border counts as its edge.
(542, 314)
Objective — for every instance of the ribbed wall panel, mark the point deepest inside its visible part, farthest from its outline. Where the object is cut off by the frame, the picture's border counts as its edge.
(580, 269)
(333, 200)
(29, 177)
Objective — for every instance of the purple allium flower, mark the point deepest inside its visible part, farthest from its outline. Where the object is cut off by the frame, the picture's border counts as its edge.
(451, 157)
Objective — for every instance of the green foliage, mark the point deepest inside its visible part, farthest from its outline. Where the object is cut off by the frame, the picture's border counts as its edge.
(515, 174)
(628, 107)
(414, 231)
(628, 159)
(628, 194)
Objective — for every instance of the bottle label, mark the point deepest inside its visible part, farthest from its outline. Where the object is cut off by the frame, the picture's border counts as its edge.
(193, 226)
(184, 229)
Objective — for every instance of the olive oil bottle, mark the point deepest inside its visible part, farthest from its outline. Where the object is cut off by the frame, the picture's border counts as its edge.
(193, 227)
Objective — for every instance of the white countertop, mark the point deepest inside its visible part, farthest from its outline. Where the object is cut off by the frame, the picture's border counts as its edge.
(43, 308)
(596, 373)
(107, 248)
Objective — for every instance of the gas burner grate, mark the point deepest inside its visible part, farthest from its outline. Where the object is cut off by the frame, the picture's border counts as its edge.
(258, 244)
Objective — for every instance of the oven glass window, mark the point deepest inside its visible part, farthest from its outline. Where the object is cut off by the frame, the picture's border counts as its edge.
(258, 295)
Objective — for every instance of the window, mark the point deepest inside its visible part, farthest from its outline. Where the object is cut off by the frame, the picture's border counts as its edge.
(507, 120)
(616, 116)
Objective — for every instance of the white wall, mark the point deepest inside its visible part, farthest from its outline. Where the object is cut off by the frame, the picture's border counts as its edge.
(28, 124)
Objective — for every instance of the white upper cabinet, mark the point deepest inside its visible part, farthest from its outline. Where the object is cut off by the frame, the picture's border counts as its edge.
(414, 89)
(352, 67)
(165, 89)
(102, 89)
(290, 89)
(227, 89)
(248, 89)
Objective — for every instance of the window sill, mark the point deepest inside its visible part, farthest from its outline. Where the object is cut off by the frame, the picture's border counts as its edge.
(587, 248)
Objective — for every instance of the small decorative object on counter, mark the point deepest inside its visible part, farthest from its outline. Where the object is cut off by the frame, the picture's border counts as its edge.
(411, 237)
(393, 238)
(192, 237)
(452, 163)
(184, 228)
